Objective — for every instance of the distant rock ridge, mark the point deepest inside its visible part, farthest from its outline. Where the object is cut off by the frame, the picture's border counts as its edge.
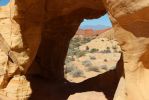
(91, 32)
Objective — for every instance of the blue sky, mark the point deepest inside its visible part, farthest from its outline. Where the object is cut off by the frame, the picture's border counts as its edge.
(3, 2)
(104, 20)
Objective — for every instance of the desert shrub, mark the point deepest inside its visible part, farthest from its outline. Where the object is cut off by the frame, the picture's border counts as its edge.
(69, 59)
(116, 51)
(87, 63)
(69, 68)
(105, 51)
(108, 48)
(102, 40)
(73, 70)
(92, 57)
(87, 48)
(108, 51)
(86, 40)
(71, 52)
(93, 68)
(74, 47)
(77, 73)
(105, 60)
(104, 67)
(114, 47)
(76, 39)
(75, 42)
(94, 50)
(76, 52)
(80, 53)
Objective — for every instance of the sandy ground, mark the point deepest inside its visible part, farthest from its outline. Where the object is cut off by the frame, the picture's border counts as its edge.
(95, 63)
(88, 96)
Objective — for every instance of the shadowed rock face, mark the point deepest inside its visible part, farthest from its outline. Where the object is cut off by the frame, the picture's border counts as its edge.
(62, 19)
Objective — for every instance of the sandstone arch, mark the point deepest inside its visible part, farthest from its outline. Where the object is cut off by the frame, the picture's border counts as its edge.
(25, 21)
(55, 22)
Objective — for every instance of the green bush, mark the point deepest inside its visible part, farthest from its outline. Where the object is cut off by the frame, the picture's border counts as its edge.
(108, 48)
(94, 50)
(73, 70)
(74, 47)
(69, 68)
(80, 53)
(86, 40)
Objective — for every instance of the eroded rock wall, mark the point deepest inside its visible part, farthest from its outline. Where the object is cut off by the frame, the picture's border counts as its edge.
(131, 22)
(20, 34)
(23, 24)
(62, 21)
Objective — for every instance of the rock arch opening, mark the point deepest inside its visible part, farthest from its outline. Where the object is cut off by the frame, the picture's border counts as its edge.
(90, 53)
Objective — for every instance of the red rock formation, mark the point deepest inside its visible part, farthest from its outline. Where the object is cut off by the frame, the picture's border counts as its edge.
(90, 32)
(131, 21)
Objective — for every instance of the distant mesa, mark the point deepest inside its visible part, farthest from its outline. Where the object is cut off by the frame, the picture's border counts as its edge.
(94, 27)
(91, 32)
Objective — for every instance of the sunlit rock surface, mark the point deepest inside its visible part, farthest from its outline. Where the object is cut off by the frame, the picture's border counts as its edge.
(131, 22)
(88, 96)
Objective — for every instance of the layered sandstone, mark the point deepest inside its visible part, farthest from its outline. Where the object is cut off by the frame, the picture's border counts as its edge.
(131, 21)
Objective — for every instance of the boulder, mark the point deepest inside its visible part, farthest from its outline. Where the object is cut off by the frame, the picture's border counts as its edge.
(92, 95)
